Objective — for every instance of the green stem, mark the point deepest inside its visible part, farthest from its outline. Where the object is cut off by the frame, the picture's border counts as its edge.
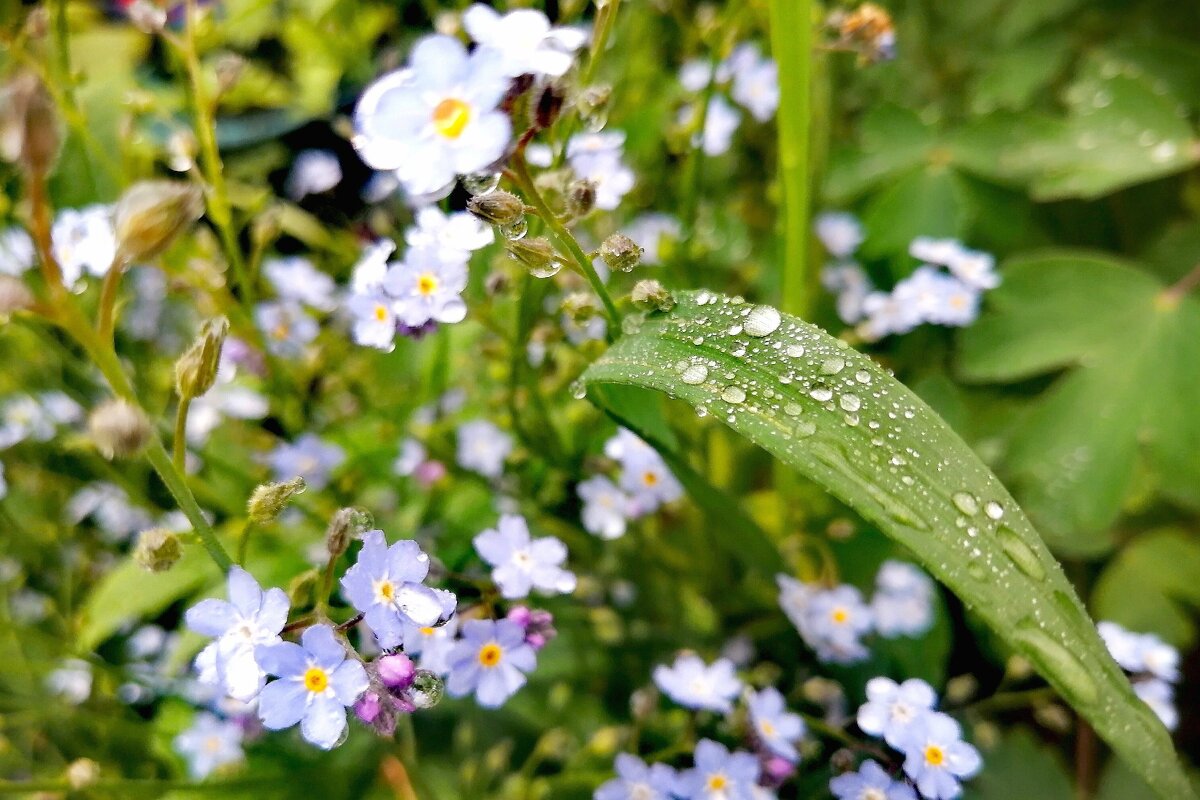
(519, 172)
(179, 443)
(108, 301)
(791, 43)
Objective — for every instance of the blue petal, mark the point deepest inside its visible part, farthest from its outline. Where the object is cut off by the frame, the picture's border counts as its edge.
(281, 704)
(324, 722)
(323, 645)
(284, 659)
(211, 617)
(244, 592)
(349, 681)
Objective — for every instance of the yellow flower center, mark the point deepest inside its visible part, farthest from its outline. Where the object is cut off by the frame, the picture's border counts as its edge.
(427, 631)
(717, 782)
(841, 615)
(385, 591)
(450, 117)
(649, 478)
(212, 744)
(281, 330)
(489, 654)
(766, 728)
(381, 313)
(427, 283)
(316, 680)
(935, 756)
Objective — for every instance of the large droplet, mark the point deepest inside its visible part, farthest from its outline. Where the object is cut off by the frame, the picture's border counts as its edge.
(1020, 554)
(694, 374)
(1054, 658)
(833, 365)
(966, 503)
(481, 182)
(821, 393)
(794, 350)
(733, 394)
(792, 409)
(761, 321)
(850, 402)
(993, 509)
(805, 427)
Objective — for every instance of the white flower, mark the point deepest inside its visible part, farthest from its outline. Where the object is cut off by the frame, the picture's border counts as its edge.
(720, 123)
(426, 285)
(72, 681)
(755, 82)
(887, 314)
(482, 448)
(314, 172)
(644, 474)
(903, 600)
(16, 251)
(605, 507)
(521, 564)
(694, 684)
(374, 323)
(224, 399)
(412, 454)
(436, 119)
(108, 505)
(650, 231)
(1160, 696)
(84, 242)
(524, 39)
(286, 327)
(23, 417)
(697, 74)
(295, 278)
(461, 231)
(209, 744)
(596, 157)
(850, 283)
(892, 708)
(371, 267)
(840, 233)
(973, 267)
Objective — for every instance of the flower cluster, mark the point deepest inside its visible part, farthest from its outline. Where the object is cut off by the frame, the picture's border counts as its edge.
(752, 81)
(1153, 665)
(644, 485)
(944, 289)
(833, 621)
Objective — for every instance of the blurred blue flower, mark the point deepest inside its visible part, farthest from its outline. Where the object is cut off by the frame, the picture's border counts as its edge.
(774, 726)
(521, 564)
(209, 744)
(870, 783)
(936, 758)
(286, 326)
(605, 507)
(316, 684)
(719, 774)
(694, 684)
(482, 448)
(903, 601)
(891, 708)
(385, 584)
(308, 457)
(837, 618)
(490, 661)
(637, 781)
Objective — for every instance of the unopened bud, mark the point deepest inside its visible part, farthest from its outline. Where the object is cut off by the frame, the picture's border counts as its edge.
(426, 689)
(347, 524)
(620, 252)
(229, 69)
(147, 17)
(119, 429)
(301, 588)
(82, 773)
(580, 306)
(651, 295)
(157, 549)
(268, 500)
(581, 198)
(548, 106)
(961, 688)
(842, 761)
(29, 126)
(14, 296)
(497, 208)
(396, 671)
(537, 255)
(196, 369)
(151, 214)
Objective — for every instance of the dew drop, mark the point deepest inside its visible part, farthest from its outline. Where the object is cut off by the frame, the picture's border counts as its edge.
(850, 402)
(862, 376)
(977, 570)
(821, 393)
(966, 503)
(1020, 554)
(735, 330)
(794, 350)
(701, 411)
(516, 230)
(694, 374)
(762, 321)
(578, 390)
(733, 394)
(481, 182)
(806, 427)
(833, 365)
(993, 509)
(792, 409)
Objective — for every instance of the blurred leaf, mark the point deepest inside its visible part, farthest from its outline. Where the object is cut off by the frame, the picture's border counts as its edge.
(1022, 18)
(926, 202)
(1151, 586)
(891, 140)
(873, 444)
(130, 593)
(1129, 383)
(1021, 766)
(1015, 76)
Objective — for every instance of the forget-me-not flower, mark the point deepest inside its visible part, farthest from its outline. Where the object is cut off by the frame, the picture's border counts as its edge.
(871, 782)
(316, 683)
(491, 661)
(483, 447)
(313, 172)
(521, 564)
(891, 708)
(296, 278)
(839, 232)
(694, 684)
(286, 326)
(837, 618)
(432, 645)
(309, 457)
(774, 726)
(936, 758)
(605, 507)
(209, 744)
(385, 584)
(638, 781)
(427, 285)
(524, 39)
(719, 774)
(903, 601)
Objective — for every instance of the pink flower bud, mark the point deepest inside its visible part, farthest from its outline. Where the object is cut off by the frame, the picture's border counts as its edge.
(368, 707)
(396, 671)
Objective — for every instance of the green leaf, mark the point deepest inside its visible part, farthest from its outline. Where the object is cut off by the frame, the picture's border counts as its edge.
(1021, 767)
(131, 593)
(836, 417)
(892, 140)
(1128, 389)
(926, 202)
(1151, 586)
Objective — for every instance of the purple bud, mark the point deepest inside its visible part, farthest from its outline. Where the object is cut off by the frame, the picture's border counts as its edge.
(396, 671)
(776, 770)
(535, 640)
(428, 473)
(368, 707)
(521, 615)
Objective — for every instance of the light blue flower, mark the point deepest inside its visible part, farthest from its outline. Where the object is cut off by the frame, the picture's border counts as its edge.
(644, 474)
(637, 781)
(936, 758)
(903, 601)
(250, 618)
(870, 783)
(755, 81)
(490, 661)
(521, 564)
(385, 585)
(316, 684)
(1160, 696)
(432, 645)
(719, 774)
(296, 278)
(605, 507)
(209, 744)
(840, 233)
(694, 684)
(313, 172)
(837, 618)
(373, 321)
(16, 251)
(777, 728)
(482, 448)
(286, 326)
(308, 457)
(427, 285)
(891, 708)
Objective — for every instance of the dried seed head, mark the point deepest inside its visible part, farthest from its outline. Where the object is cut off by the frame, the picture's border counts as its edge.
(651, 295)
(537, 255)
(196, 369)
(119, 429)
(29, 125)
(157, 549)
(269, 499)
(347, 524)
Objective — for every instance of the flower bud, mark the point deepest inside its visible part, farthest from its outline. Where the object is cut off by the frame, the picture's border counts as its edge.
(842, 761)
(497, 208)
(269, 499)
(157, 549)
(651, 295)
(396, 671)
(537, 255)
(196, 369)
(151, 214)
(581, 198)
(82, 773)
(368, 707)
(119, 429)
(14, 296)
(776, 770)
(29, 126)
(620, 252)
(548, 106)
(347, 524)
(426, 689)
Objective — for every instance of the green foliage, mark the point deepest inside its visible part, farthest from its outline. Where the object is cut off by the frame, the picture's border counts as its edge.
(1151, 586)
(836, 417)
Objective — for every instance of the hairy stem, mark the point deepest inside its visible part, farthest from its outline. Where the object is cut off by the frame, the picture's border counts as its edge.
(791, 43)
